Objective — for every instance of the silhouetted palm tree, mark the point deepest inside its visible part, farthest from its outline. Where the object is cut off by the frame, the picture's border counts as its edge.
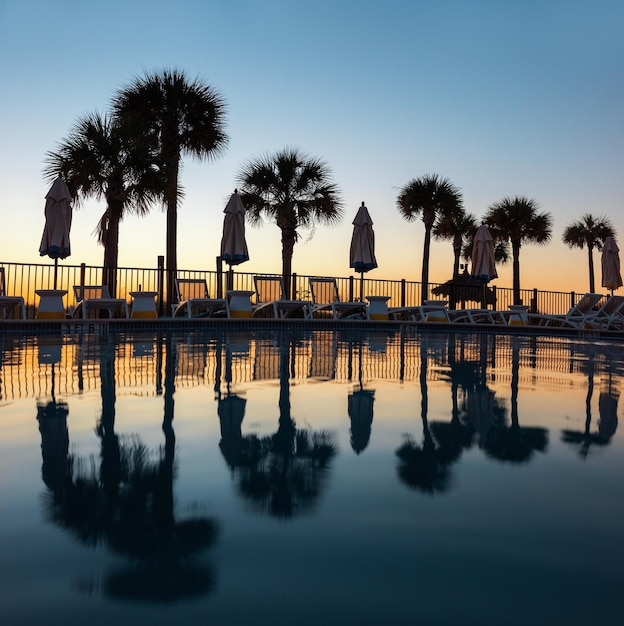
(284, 474)
(431, 198)
(108, 159)
(588, 231)
(183, 117)
(293, 190)
(518, 221)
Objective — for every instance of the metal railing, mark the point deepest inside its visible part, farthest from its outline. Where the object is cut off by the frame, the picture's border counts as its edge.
(24, 279)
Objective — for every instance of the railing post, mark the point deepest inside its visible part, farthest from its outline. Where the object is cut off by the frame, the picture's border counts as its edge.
(293, 289)
(494, 307)
(219, 277)
(403, 289)
(534, 301)
(161, 285)
(350, 288)
(83, 271)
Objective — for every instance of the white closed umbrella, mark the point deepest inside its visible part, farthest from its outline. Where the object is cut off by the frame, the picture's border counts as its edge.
(58, 218)
(233, 244)
(611, 277)
(362, 254)
(482, 259)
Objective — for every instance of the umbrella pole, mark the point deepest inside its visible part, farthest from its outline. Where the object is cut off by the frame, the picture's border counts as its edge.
(55, 271)
(361, 286)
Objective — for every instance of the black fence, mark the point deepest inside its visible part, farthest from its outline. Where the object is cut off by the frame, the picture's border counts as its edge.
(24, 279)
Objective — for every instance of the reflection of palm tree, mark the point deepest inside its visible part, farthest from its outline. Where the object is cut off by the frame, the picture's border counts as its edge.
(514, 443)
(128, 505)
(425, 468)
(607, 424)
(283, 474)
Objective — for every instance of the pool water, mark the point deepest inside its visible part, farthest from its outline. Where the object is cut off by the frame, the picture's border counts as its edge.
(310, 477)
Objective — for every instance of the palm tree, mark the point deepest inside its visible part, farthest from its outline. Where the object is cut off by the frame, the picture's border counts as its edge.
(588, 231)
(518, 221)
(429, 197)
(108, 159)
(295, 191)
(182, 116)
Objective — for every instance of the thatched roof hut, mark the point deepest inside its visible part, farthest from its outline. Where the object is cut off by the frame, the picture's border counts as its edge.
(465, 288)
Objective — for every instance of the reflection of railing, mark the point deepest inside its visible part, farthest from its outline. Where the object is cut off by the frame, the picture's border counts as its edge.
(23, 279)
(28, 364)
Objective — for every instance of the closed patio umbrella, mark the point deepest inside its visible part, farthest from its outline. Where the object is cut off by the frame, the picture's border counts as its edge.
(362, 255)
(233, 245)
(482, 258)
(58, 215)
(611, 277)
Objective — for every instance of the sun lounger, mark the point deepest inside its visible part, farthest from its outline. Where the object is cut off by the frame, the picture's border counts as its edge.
(574, 318)
(193, 295)
(476, 316)
(8, 303)
(610, 316)
(270, 300)
(97, 298)
(325, 298)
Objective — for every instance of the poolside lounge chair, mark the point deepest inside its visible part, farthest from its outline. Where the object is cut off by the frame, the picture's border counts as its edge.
(325, 298)
(574, 318)
(97, 298)
(406, 313)
(193, 294)
(476, 316)
(270, 300)
(610, 316)
(7, 303)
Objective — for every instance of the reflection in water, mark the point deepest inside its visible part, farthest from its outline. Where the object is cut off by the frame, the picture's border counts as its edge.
(360, 408)
(282, 475)
(607, 422)
(127, 505)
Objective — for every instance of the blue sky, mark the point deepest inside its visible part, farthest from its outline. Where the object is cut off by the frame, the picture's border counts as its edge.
(504, 98)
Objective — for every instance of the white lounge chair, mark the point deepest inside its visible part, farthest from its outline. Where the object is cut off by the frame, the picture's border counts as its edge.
(97, 298)
(8, 303)
(574, 318)
(270, 299)
(610, 316)
(325, 297)
(193, 295)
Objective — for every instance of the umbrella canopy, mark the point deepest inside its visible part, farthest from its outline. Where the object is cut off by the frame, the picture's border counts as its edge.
(611, 277)
(362, 256)
(233, 244)
(360, 409)
(58, 214)
(483, 264)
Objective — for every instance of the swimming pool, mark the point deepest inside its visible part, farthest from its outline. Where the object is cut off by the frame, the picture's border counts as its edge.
(307, 477)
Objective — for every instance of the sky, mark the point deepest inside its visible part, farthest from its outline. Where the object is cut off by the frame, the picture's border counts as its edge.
(502, 97)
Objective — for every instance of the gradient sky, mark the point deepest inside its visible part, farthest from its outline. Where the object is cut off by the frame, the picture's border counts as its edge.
(503, 97)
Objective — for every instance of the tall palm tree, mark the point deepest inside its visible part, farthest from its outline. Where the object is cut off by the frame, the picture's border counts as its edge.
(295, 191)
(429, 197)
(108, 159)
(588, 231)
(518, 221)
(183, 117)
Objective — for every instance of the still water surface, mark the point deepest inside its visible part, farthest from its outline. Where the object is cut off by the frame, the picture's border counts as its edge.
(316, 477)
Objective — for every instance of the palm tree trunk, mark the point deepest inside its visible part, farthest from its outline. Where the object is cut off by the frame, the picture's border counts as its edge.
(590, 254)
(172, 231)
(288, 247)
(111, 247)
(425, 265)
(515, 246)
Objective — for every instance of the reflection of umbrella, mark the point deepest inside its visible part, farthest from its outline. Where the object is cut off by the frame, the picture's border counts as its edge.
(611, 277)
(483, 264)
(360, 407)
(362, 255)
(58, 214)
(608, 422)
(233, 244)
(231, 411)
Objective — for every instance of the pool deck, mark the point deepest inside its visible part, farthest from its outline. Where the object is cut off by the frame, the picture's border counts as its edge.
(103, 326)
